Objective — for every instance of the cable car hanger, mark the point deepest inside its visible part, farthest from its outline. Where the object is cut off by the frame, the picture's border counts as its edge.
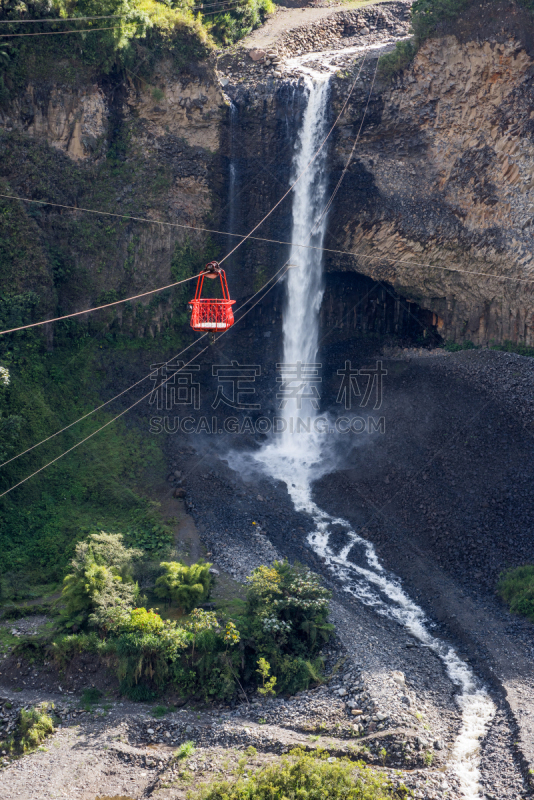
(210, 314)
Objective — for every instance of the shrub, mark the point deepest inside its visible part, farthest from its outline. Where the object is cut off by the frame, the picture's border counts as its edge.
(100, 588)
(309, 777)
(65, 648)
(398, 59)
(147, 648)
(516, 587)
(19, 612)
(513, 347)
(425, 18)
(32, 728)
(287, 610)
(229, 26)
(455, 347)
(268, 683)
(139, 693)
(185, 750)
(143, 621)
(183, 585)
(282, 629)
(427, 14)
(90, 697)
(31, 648)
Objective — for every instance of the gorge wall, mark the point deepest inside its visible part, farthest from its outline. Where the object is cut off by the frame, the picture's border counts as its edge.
(440, 188)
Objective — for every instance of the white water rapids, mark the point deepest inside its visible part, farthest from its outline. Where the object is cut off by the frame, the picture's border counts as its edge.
(298, 457)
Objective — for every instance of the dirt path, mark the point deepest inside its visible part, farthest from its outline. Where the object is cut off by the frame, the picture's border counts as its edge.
(285, 19)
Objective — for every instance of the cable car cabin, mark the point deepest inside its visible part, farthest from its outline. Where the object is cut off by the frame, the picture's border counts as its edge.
(207, 313)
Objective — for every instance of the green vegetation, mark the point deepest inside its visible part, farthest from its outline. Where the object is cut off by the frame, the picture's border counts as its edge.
(143, 32)
(184, 586)
(287, 609)
(308, 776)
(230, 26)
(42, 520)
(455, 347)
(185, 750)
(160, 711)
(425, 17)
(513, 347)
(268, 683)
(516, 588)
(398, 60)
(427, 14)
(83, 523)
(90, 697)
(31, 730)
(204, 653)
(101, 586)
(506, 347)
(52, 262)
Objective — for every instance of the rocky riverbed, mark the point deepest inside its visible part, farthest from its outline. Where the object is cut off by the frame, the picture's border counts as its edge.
(471, 396)
(387, 699)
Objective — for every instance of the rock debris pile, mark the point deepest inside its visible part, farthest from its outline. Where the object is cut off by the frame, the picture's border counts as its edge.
(348, 28)
(366, 27)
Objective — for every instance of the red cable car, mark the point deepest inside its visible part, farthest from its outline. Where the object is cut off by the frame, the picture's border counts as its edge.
(210, 314)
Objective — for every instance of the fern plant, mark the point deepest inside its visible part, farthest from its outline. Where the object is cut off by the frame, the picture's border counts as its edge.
(184, 586)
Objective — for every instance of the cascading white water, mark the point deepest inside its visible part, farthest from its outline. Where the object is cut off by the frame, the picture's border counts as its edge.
(295, 456)
(304, 279)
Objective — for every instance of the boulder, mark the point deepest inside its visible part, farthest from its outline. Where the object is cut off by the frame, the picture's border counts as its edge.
(256, 54)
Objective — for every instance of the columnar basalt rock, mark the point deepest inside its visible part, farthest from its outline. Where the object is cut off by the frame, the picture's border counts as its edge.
(448, 157)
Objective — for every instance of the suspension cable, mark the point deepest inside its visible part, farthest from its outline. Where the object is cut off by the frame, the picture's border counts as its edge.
(332, 250)
(125, 391)
(231, 5)
(57, 33)
(98, 408)
(277, 275)
(58, 19)
(122, 413)
(306, 168)
(99, 308)
(106, 16)
(222, 10)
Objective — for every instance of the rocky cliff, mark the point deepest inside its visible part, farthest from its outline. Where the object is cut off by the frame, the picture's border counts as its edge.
(447, 160)
(439, 193)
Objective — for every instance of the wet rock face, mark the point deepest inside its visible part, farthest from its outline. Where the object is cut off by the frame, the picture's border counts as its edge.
(439, 191)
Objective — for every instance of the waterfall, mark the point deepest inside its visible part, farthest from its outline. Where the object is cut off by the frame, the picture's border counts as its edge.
(304, 281)
(304, 285)
(298, 456)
